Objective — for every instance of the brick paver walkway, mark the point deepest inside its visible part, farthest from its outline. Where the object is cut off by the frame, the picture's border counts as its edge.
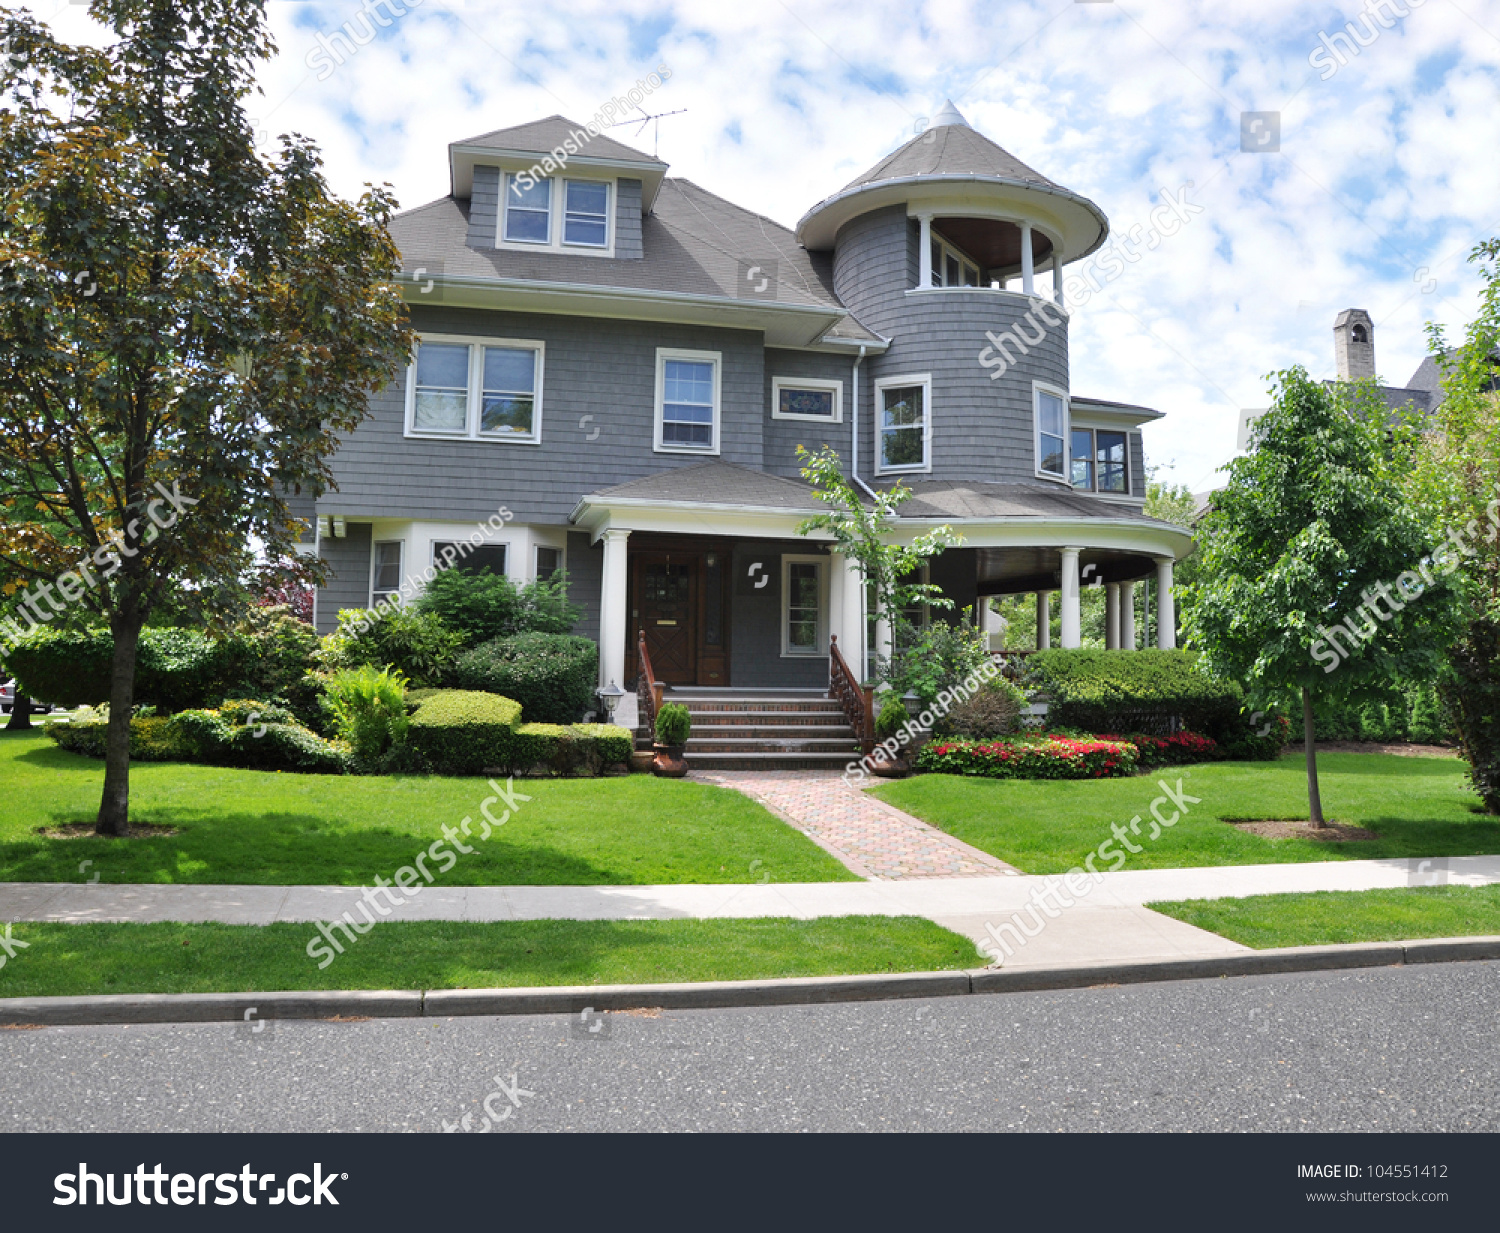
(874, 839)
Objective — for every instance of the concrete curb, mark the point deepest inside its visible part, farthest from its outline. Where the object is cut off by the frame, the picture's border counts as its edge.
(795, 991)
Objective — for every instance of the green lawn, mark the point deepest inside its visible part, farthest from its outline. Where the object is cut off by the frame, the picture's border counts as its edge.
(172, 958)
(1327, 917)
(286, 829)
(1417, 806)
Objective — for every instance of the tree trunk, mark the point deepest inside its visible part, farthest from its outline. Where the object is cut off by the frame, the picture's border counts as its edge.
(1314, 800)
(114, 808)
(20, 714)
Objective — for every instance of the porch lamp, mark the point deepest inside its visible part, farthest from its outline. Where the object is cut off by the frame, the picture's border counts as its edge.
(610, 695)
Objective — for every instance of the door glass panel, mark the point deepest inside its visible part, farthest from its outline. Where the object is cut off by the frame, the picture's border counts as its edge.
(803, 592)
(713, 600)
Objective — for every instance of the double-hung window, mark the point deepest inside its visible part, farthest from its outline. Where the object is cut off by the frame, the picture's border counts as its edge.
(1051, 411)
(549, 562)
(385, 573)
(1101, 460)
(903, 424)
(528, 210)
(477, 391)
(586, 213)
(950, 268)
(687, 401)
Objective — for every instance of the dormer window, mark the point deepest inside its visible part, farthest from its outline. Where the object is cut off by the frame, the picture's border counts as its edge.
(561, 214)
(528, 210)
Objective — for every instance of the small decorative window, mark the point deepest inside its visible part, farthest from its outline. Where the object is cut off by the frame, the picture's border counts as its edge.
(903, 424)
(687, 401)
(586, 213)
(528, 210)
(1051, 410)
(807, 399)
(385, 576)
(476, 390)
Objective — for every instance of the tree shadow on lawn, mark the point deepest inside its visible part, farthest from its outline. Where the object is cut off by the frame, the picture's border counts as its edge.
(283, 849)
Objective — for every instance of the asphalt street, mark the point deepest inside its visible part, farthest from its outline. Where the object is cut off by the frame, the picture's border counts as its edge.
(1405, 1048)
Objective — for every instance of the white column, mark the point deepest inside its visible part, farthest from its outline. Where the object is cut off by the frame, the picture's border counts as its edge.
(1166, 618)
(1127, 615)
(883, 636)
(847, 615)
(1072, 611)
(1028, 265)
(614, 617)
(924, 257)
(1112, 615)
(1057, 278)
(1043, 620)
(990, 622)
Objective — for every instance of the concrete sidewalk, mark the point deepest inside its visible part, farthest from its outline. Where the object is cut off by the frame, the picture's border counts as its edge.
(1110, 924)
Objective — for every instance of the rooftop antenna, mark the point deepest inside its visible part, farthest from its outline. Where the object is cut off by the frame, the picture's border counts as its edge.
(644, 120)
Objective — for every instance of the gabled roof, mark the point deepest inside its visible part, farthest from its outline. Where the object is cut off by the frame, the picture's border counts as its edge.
(540, 136)
(694, 242)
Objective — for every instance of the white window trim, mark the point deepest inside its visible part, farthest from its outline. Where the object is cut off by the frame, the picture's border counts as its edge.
(946, 247)
(821, 648)
(881, 385)
(375, 564)
(556, 218)
(1037, 389)
(807, 383)
(476, 377)
(716, 358)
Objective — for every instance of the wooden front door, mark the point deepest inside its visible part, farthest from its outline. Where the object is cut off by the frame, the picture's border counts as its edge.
(666, 610)
(679, 598)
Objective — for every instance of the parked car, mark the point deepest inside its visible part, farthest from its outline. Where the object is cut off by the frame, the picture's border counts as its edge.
(8, 700)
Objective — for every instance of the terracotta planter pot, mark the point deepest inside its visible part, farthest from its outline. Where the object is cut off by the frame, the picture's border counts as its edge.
(669, 762)
(892, 768)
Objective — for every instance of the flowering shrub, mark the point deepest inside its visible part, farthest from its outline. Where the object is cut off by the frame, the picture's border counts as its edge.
(1044, 756)
(1176, 750)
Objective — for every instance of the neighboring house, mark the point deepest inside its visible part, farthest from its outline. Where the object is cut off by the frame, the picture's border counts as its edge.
(1354, 360)
(627, 363)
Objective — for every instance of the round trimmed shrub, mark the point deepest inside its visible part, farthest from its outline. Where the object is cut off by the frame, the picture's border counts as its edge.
(552, 676)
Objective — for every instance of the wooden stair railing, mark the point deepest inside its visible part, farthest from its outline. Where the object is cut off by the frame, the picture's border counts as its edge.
(857, 700)
(648, 690)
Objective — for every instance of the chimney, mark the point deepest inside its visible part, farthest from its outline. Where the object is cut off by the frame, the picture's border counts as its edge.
(1354, 344)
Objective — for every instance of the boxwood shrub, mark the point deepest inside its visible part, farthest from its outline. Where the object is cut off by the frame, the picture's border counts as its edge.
(552, 676)
(1134, 691)
(464, 732)
(572, 749)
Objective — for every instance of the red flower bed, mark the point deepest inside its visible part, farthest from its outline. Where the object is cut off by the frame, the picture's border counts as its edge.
(1043, 756)
(1176, 750)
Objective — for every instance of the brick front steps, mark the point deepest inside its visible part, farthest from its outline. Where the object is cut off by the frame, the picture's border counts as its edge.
(771, 730)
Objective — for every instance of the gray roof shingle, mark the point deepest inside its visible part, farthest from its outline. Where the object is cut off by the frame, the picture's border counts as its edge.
(954, 149)
(542, 136)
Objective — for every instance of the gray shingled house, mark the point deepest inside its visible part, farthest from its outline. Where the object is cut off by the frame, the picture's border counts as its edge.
(627, 363)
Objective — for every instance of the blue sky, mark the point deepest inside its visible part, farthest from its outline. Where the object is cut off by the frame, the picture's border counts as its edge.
(1386, 174)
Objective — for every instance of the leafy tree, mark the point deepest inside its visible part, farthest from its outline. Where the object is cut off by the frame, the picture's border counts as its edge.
(1456, 484)
(186, 329)
(1312, 531)
(863, 527)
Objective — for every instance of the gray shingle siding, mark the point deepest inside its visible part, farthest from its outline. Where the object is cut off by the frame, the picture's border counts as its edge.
(783, 436)
(755, 657)
(604, 369)
(484, 207)
(349, 581)
(1137, 466)
(585, 582)
(628, 221)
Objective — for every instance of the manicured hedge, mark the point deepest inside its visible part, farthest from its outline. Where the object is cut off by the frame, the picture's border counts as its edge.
(464, 732)
(218, 738)
(574, 749)
(1115, 691)
(1048, 756)
(552, 676)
